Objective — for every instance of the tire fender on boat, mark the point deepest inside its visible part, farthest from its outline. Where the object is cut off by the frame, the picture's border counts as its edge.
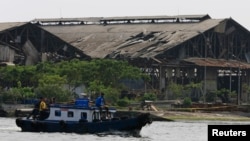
(62, 124)
(34, 124)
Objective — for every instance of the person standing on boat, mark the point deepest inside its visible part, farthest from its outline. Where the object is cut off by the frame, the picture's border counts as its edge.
(43, 108)
(100, 103)
(43, 105)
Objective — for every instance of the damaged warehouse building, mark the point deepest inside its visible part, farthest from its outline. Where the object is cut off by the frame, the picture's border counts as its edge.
(180, 49)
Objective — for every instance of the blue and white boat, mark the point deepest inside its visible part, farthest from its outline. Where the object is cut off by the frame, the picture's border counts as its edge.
(80, 118)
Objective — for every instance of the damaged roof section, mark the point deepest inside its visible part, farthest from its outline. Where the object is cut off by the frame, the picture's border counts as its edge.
(159, 39)
(132, 40)
(26, 43)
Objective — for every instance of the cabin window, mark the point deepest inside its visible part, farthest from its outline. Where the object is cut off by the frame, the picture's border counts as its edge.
(57, 113)
(70, 114)
(83, 115)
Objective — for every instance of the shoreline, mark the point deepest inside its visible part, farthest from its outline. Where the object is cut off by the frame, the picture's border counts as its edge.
(202, 112)
(169, 115)
(200, 115)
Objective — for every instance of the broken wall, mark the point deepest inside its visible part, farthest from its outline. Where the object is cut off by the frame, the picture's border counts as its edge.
(31, 53)
(6, 54)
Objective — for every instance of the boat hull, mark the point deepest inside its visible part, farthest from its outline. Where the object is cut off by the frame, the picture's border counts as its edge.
(122, 124)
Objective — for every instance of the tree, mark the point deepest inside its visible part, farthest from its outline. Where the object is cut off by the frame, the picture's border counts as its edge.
(50, 79)
(193, 90)
(225, 95)
(176, 89)
(52, 86)
(11, 75)
(72, 71)
(19, 93)
(149, 96)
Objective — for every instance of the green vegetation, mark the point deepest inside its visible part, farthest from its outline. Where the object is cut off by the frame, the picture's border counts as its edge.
(18, 83)
(187, 102)
(123, 102)
(192, 93)
(149, 96)
(225, 95)
(61, 79)
(18, 93)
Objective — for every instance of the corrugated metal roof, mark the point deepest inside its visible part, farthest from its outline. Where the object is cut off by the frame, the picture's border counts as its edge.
(132, 40)
(10, 25)
(157, 17)
(96, 19)
(90, 19)
(221, 63)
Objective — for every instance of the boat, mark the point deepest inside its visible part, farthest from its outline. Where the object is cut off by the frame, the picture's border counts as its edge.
(81, 118)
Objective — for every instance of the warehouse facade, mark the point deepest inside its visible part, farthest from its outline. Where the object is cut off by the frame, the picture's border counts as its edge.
(180, 49)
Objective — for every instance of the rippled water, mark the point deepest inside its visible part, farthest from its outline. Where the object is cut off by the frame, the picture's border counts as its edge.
(157, 131)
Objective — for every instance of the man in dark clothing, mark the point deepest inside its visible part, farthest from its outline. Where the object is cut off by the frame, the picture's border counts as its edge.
(35, 111)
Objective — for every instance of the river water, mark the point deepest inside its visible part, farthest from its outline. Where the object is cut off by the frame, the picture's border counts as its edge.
(157, 131)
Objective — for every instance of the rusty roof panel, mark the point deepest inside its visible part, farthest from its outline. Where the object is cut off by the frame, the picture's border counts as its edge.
(222, 63)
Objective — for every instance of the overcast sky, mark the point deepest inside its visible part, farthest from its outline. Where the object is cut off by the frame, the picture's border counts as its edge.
(27, 10)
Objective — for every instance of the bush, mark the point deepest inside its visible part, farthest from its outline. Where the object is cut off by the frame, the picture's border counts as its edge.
(149, 96)
(187, 102)
(211, 96)
(123, 102)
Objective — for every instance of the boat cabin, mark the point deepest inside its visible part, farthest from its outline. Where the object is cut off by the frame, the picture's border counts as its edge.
(80, 111)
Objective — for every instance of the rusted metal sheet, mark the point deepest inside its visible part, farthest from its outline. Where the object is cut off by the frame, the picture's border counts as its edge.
(219, 63)
(6, 54)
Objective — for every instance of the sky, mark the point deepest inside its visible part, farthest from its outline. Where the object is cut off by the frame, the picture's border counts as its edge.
(27, 10)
